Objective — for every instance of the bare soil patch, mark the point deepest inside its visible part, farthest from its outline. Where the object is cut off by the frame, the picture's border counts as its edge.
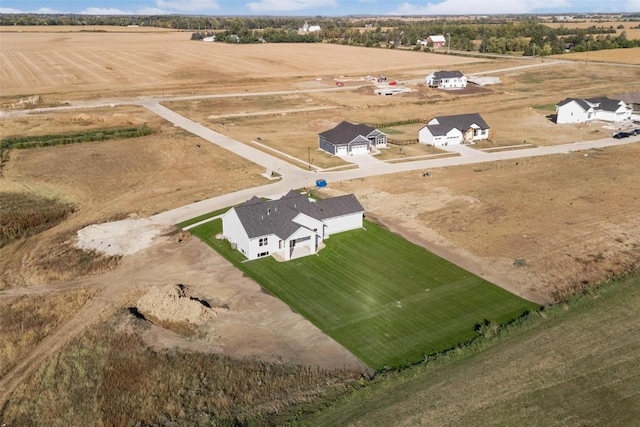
(541, 228)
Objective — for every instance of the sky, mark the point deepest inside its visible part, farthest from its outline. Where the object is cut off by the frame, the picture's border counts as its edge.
(317, 7)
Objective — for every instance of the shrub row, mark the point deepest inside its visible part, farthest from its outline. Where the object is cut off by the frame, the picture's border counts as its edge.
(396, 123)
(74, 138)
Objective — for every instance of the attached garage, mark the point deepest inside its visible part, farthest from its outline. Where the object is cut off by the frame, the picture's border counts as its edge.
(351, 139)
(359, 149)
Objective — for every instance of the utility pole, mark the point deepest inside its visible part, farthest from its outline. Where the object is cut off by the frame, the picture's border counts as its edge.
(309, 157)
(448, 42)
(586, 58)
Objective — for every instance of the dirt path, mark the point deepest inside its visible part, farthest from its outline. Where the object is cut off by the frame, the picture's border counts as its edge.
(256, 325)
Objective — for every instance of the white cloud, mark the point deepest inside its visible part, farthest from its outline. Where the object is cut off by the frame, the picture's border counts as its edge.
(103, 11)
(42, 10)
(480, 7)
(151, 11)
(288, 5)
(9, 10)
(188, 5)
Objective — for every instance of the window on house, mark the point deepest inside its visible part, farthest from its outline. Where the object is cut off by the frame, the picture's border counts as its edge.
(262, 241)
(263, 254)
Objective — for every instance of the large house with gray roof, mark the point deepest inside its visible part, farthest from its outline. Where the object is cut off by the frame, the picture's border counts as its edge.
(347, 139)
(576, 110)
(290, 227)
(447, 80)
(449, 130)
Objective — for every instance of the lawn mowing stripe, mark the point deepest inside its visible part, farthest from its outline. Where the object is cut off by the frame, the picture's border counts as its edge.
(352, 290)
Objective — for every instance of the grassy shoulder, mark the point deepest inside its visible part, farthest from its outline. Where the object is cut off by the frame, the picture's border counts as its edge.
(388, 301)
(575, 363)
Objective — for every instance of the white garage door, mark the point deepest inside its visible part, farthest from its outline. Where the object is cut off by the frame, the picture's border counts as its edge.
(359, 149)
(341, 151)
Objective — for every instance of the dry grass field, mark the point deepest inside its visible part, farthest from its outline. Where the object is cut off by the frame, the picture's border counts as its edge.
(106, 180)
(632, 33)
(622, 56)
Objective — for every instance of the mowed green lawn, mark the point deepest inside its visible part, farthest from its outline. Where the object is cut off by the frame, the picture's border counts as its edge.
(388, 301)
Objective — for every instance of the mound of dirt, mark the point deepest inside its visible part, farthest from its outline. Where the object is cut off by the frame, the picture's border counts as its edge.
(175, 304)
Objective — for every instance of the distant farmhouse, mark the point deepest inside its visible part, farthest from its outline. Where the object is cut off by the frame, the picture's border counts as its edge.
(349, 139)
(575, 110)
(447, 79)
(290, 227)
(449, 130)
(435, 41)
(306, 28)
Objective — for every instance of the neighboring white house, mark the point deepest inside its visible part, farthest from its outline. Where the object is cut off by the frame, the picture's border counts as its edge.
(574, 110)
(447, 79)
(306, 28)
(449, 130)
(290, 227)
(348, 139)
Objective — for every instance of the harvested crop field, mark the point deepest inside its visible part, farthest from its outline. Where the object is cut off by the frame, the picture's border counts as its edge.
(44, 63)
(623, 56)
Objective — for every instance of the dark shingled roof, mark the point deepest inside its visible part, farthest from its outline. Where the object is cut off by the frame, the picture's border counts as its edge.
(605, 103)
(598, 103)
(461, 122)
(581, 102)
(346, 132)
(439, 75)
(276, 216)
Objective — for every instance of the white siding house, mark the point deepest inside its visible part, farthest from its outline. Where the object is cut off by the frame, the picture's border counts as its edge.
(573, 110)
(450, 130)
(290, 227)
(446, 80)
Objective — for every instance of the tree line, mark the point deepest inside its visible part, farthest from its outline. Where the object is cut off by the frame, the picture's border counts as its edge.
(493, 34)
